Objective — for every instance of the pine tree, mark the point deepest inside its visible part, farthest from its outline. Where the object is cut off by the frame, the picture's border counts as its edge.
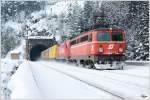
(88, 14)
(73, 18)
(132, 16)
(142, 33)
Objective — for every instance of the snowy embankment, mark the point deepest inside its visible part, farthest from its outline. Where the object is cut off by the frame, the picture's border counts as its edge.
(22, 84)
(55, 80)
(8, 68)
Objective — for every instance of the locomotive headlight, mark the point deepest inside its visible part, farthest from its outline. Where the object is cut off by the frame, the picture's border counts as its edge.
(120, 49)
(100, 49)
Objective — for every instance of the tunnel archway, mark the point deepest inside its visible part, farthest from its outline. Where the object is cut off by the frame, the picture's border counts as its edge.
(35, 51)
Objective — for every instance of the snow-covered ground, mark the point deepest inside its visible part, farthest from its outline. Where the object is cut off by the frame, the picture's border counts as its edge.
(22, 84)
(8, 68)
(57, 80)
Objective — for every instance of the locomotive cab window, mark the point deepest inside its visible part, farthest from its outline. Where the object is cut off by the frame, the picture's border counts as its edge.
(78, 40)
(84, 38)
(117, 36)
(103, 36)
(90, 38)
(73, 42)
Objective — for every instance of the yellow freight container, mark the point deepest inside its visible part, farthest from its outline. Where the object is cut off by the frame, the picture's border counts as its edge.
(53, 52)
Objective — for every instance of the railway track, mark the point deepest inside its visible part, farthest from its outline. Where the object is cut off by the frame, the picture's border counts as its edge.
(123, 74)
(130, 85)
(34, 78)
(87, 82)
(118, 74)
(83, 76)
(73, 77)
(124, 82)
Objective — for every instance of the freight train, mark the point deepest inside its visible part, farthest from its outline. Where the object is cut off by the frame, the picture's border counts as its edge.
(92, 49)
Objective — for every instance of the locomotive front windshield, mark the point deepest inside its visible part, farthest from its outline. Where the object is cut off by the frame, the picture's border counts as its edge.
(106, 36)
(117, 36)
(103, 36)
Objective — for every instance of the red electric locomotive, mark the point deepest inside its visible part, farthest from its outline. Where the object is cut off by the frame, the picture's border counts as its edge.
(95, 47)
(105, 46)
(100, 45)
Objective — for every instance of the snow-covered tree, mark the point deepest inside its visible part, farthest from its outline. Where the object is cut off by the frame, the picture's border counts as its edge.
(132, 16)
(8, 41)
(13, 14)
(139, 21)
(88, 14)
(73, 17)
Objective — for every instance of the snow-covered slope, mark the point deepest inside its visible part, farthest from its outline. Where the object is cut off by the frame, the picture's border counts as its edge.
(62, 6)
(25, 84)
(48, 19)
(8, 68)
(15, 25)
(19, 49)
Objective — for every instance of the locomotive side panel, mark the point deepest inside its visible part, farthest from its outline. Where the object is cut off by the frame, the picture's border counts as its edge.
(63, 51)
(81, 49)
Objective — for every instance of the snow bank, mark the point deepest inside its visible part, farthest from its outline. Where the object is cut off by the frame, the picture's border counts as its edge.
(8, 68)
(22, 84)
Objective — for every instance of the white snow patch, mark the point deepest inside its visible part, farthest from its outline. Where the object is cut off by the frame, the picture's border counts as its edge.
(15, 25)
(42, 24)
(22, 84)
(8, 68)
(61, 7)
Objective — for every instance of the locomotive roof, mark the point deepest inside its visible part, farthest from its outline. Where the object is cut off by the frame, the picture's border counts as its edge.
(98, 29)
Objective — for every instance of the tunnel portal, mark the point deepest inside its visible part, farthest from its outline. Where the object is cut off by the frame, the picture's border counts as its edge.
(35, 45)
(35, 52)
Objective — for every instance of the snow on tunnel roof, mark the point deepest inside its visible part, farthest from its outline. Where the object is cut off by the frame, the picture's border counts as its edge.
(40, 37)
